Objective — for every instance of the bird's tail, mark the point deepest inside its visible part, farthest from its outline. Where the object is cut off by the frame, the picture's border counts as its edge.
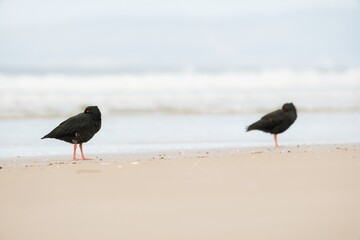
(253, 126)
(46, 136)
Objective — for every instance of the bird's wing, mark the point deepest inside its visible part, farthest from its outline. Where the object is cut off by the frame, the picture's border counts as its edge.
(69, 127)
(273, 119)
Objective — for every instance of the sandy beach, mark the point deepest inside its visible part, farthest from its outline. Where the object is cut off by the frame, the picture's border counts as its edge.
(299, 192)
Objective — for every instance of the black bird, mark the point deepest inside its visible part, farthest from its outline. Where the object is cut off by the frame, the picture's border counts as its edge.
(78, 129)
(276, 122)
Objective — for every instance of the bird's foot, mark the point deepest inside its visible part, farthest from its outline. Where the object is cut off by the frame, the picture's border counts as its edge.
(84, 158)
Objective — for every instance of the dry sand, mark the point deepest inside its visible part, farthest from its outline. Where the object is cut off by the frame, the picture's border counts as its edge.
(303, 192)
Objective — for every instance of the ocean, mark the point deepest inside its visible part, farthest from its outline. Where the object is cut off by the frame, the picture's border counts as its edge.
(177, 110)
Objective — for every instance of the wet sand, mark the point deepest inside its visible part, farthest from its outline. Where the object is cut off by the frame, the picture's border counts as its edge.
(299, 192)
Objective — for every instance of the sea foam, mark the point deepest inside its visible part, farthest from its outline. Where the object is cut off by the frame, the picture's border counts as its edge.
(46, 95)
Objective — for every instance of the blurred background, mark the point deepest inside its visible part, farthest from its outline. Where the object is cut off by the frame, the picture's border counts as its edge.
(139, 36)
(185, 60)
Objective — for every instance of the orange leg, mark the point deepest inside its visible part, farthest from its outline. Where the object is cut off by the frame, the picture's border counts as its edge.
(82, 153)
(275, 139)
(74, 154)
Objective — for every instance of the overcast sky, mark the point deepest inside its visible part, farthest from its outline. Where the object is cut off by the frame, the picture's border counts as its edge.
(179, 34)
(25, 12)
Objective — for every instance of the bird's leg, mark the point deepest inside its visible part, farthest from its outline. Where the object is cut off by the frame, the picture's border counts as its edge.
(74, 154)
(275, 139)
(82, 153)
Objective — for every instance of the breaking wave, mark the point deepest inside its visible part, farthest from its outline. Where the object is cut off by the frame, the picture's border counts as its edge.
(53, 95)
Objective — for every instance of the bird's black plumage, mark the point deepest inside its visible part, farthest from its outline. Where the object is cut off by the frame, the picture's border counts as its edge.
(79, 128)
(276, 122)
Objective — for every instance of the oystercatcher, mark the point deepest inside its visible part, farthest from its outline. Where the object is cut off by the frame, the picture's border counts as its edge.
(276, 122)
(78, 129)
